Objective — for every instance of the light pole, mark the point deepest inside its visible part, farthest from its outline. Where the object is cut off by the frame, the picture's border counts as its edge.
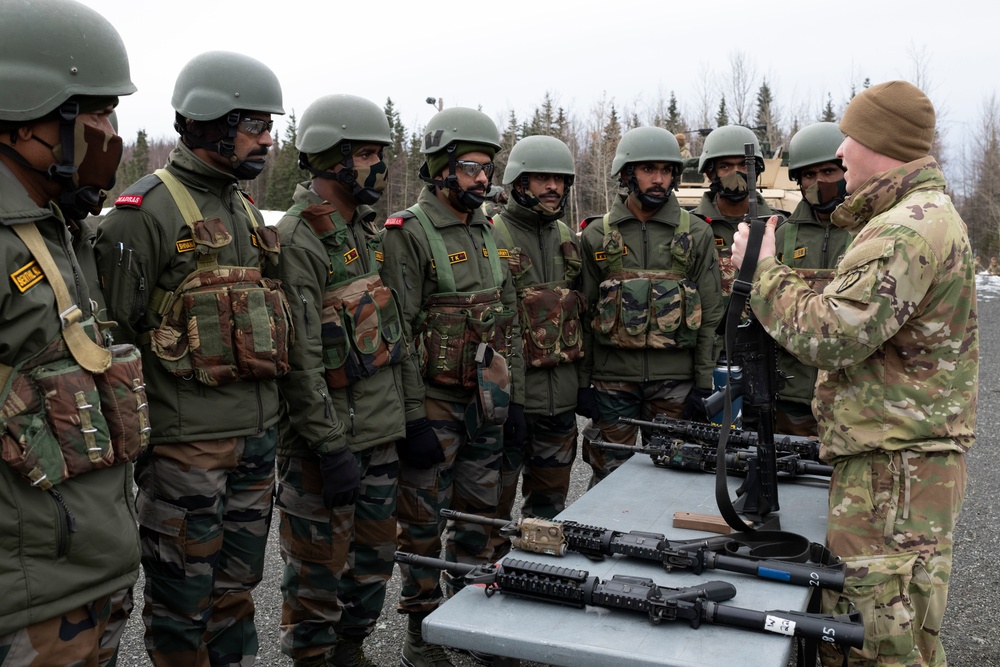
(436, 102)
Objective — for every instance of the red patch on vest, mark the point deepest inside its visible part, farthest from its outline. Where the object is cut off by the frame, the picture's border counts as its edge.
(394, 222)
(129, 200)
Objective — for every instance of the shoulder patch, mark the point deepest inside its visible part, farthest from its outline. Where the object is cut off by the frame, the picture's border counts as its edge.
(27, 276)
(132, 198)
(397, 219)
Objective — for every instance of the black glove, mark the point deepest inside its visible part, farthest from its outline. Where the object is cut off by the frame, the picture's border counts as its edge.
(694, 406)
(341, 478)
(586, 403)
(515, 429)
(420, 448)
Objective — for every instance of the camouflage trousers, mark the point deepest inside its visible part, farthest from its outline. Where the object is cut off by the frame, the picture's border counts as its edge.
(638, 400)
(546, 460)
(792, 418)
(87, 636)
(467, 481)
(337, 563)
(892, 515)
(204, 514)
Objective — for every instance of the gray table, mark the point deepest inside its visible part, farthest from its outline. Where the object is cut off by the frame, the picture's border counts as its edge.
(637, 496)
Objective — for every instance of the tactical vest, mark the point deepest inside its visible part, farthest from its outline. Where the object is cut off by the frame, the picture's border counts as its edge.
(222, 324)
(645, 308)
(362, 324)
(549, 312)
(817, 279)
(452, 324)
(75, 406)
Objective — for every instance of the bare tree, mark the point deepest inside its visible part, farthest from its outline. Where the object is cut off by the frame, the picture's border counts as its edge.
(740, 85)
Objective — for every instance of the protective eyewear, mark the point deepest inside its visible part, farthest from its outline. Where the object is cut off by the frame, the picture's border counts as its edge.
(472, 168)
(255, 126)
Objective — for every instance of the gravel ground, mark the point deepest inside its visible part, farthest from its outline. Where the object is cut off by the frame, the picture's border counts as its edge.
(970, 630)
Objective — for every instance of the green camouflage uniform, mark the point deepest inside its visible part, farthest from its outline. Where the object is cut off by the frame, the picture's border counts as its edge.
(64, 599)
(724, 229)
(812, 247)
(545, 257)
(645, 381)
(896, 339)
(206, 489)
(469, 478)
(322, 256)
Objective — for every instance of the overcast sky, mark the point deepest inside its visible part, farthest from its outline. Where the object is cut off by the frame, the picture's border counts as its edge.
(504, 56)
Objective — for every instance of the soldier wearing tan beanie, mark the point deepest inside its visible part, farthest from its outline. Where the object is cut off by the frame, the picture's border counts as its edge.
(894, 118)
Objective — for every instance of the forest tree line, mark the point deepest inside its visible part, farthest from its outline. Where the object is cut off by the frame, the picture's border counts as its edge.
(593, 138)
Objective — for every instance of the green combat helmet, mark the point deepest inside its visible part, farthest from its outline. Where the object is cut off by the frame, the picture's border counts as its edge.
(539, 154)
(816, 144)
(813, 144)
(222, 84)
(726, 141)
(329, 133)
(61, 59)
(449, 134)
(646, 144)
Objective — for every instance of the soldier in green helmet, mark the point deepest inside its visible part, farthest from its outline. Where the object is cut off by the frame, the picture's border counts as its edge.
(723, 161)
(651, 280)
(545, 263)
(72, 403)
(810, 243)
(459, 312)
(337, 463)
(895, 336)
(181, 257)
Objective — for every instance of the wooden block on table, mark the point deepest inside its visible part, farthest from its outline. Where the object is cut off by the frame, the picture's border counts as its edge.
(710, 523)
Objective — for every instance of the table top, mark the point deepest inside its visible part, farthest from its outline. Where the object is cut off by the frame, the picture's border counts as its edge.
(638, 496)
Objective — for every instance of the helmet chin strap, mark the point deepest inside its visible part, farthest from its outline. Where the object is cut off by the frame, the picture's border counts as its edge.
(531, 202)
(244, 170)
(464, 200)
(647, 201)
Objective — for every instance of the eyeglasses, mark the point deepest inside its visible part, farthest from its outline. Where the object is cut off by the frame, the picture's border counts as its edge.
(472, 168)
(255, 126)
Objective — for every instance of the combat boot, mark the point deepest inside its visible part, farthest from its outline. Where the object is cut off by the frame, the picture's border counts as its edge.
(417, 652)
(315, 661)
(349, 653)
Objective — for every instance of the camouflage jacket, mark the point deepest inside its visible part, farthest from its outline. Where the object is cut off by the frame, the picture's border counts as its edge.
(409, 270)
(47, 570)
(806, 244)
(548, 391)
(647, 246)
(895, 332)
(318, 418)
(724, 229)
(145, 243)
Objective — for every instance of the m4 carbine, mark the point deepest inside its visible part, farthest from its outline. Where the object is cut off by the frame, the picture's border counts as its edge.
(696, 605)
(555, 538)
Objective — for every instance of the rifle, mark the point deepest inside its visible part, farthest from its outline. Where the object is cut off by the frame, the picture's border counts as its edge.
(555, 538)
(709, 434)
(680, 455)
(749, 346)
(696, 604)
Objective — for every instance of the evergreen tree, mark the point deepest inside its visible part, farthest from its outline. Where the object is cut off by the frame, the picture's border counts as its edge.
(722, 115)
(829, 115)
(284, 171)
(674, 123)
(138, 165)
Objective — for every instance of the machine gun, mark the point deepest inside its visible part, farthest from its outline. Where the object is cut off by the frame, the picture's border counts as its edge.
(555, 538)
(680, 455)
(696, 605)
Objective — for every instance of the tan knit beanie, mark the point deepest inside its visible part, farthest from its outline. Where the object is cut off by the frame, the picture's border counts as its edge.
(894, 118)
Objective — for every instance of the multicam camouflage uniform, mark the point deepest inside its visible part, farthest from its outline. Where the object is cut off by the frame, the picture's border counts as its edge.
(812, 247)
(345, 388)
(206, 489)
(641, 352)
(469, 478)
(545, 263)
(896, 339)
